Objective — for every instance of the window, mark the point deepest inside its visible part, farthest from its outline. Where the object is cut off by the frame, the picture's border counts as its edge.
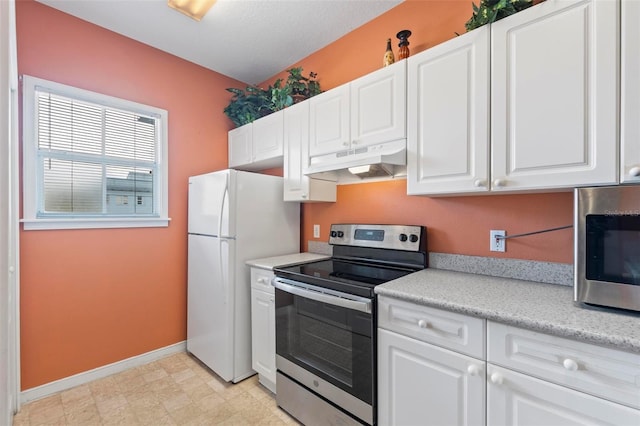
(91, 160)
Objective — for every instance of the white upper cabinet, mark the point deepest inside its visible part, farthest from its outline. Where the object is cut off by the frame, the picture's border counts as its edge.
(258, 145)
(630, 93)
(268, 138)
(297, 186)
(448, 116)
(378, 106)
(535, 111)
(554, 103)
(329, 121)
(366, 111)
(240, 145)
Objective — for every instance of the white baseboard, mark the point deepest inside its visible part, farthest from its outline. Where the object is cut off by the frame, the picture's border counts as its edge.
(99, 373)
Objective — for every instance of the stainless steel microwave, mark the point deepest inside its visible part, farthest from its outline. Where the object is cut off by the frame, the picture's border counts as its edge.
(607, 246)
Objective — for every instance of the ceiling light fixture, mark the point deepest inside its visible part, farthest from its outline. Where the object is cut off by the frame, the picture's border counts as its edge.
(195, 9)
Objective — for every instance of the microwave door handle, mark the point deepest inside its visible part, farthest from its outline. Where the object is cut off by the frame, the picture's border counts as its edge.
(362, 306)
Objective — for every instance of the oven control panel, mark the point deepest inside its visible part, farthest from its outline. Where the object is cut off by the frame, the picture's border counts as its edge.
(396, 237)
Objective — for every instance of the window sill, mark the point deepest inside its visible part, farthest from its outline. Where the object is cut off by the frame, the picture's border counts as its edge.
(94, 223)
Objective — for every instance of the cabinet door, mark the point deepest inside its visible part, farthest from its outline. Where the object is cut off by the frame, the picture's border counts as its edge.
(517, 399)
(263, 334)
(297, 186)
(554, 96)
(448, 116)
(630, 119)
(240, 143)
(329, 121)
(419, 383)
(296, 151)
(268, 137)
(378, 106)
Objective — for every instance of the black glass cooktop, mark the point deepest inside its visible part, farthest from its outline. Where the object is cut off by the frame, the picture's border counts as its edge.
(357, 278)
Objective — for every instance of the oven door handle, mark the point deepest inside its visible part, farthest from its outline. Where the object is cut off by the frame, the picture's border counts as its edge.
(362, 305)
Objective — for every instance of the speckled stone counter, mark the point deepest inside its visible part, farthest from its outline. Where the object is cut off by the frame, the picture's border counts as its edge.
(547, 308)
(285, 260)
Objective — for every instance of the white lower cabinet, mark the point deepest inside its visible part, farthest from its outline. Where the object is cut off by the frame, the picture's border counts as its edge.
(529, 378)
(421, 380)
(519, 399)
(420, 383)
(263, 327)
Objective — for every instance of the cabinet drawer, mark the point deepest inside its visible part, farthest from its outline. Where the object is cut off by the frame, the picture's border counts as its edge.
(261, 280)
(603, 372)
(450, 330)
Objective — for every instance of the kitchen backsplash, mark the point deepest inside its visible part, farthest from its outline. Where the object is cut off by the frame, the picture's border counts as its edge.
(530, 270)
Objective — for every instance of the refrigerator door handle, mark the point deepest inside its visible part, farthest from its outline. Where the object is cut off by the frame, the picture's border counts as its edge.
(225, 193)
(223, 280)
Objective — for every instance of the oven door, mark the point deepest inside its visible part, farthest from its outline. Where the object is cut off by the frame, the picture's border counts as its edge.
(324, 342)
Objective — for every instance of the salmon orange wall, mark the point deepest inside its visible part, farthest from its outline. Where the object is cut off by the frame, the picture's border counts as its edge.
(455, 225)
(94, 297)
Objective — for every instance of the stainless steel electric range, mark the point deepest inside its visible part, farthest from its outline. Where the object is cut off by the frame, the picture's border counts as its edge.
(326, 322)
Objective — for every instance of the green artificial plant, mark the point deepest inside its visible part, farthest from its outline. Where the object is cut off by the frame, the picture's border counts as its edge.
(493, 10)
(249, 104)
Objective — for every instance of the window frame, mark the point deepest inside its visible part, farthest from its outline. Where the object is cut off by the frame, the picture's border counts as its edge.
(31, 175)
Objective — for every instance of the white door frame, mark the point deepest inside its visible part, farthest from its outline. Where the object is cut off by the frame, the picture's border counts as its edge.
(9, 220)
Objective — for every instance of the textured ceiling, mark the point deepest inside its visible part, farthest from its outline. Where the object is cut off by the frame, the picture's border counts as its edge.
(249, 40)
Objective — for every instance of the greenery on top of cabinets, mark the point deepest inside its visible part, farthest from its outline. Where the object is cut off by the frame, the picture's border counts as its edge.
(249, 104)
(493, 10)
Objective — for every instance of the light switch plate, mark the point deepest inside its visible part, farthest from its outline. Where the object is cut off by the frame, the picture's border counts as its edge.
(316, 231)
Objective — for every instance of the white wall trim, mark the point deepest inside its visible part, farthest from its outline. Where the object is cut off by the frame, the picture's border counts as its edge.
(100, 372)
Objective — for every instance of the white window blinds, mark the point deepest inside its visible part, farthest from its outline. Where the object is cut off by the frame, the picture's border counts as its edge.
(93, 158)
(90, 153)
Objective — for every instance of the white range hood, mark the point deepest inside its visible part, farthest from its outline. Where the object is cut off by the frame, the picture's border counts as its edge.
(374, 162)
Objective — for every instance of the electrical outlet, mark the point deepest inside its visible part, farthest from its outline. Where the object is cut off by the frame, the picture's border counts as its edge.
(316, 231)
(495, 243)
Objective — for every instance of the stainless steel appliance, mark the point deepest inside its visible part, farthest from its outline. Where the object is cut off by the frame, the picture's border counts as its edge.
(326, 322)
(607, 246)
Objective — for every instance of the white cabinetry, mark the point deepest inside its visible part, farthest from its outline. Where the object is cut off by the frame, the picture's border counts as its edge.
(257, 145)
(297, 186)
(367, 111)
(419, 376)
(553, 103)
(263, 327)
(431, 366)
(630, 93)
(448, 116)
(561, 382)
(517, 399)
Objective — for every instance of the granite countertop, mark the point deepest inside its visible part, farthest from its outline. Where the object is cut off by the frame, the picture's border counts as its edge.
(285, 260)
(548, 308)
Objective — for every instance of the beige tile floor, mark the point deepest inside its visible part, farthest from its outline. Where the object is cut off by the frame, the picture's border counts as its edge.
(176, 390)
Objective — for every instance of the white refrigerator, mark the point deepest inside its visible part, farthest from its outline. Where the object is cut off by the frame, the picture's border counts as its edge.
(234, 216)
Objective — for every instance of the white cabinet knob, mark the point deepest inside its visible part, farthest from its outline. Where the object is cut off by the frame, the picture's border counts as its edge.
(496, 378)
(262, 280)
(354, 142)
(634, 172)
(478, 183)
(473, 370)
(303, 196)
(12, 269)
(570, 364)
(345, 143)
(271, 299)
(499, 182)
(423, 324)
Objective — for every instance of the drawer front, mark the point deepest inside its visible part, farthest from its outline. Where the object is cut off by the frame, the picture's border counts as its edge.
(261, 280)
(603, 372)
(449, 330)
